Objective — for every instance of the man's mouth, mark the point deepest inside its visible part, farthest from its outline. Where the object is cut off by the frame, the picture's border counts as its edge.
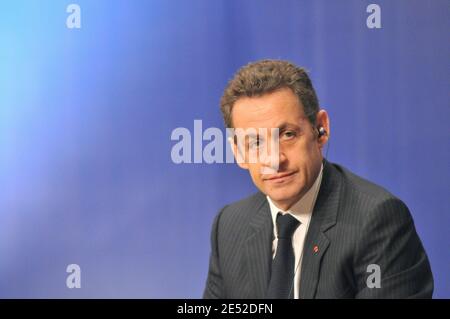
(280, 177)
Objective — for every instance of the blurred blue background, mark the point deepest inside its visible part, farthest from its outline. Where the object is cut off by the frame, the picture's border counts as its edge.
(86, 117)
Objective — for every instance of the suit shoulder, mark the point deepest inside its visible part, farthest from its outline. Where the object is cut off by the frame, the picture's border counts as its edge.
(370, 197)
(364, 188)
(243, 209)
(248, 202)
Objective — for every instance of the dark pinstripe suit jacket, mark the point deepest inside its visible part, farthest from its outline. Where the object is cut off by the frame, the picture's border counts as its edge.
(354, 223)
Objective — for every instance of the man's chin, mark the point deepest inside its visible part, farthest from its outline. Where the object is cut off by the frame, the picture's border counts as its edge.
(283, 198)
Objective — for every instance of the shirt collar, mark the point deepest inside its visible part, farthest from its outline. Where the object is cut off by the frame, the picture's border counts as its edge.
(303, 208)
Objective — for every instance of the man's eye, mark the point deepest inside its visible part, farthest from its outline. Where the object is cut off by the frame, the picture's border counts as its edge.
(254, 143)
(288, 135)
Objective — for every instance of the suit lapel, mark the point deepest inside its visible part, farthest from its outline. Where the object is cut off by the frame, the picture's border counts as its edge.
(316, 242)
(259, 249)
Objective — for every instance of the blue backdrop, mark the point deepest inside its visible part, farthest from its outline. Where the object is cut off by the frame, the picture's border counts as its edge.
(86, 116)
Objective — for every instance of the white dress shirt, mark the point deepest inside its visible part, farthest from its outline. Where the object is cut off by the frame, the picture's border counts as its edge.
(302, 211)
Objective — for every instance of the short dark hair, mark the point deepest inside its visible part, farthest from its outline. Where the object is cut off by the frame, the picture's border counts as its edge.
(266, 76)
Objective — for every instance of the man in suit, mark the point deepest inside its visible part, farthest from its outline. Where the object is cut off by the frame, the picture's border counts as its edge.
(314, 229)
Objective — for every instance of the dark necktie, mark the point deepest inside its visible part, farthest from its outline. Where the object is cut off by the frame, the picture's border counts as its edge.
(282, 278)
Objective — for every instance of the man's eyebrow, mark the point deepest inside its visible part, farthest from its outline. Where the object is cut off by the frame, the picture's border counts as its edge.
(285, 125)
(252, 135)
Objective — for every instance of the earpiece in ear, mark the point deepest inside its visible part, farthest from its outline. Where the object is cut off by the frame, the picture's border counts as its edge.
(321, 131)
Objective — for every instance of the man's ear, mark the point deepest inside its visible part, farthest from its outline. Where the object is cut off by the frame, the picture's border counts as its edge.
(238, 154)
(322, 120)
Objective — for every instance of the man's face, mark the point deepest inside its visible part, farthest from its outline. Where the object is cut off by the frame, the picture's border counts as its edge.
(300, 155)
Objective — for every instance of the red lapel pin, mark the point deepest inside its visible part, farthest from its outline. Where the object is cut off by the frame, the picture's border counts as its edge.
(316, 249)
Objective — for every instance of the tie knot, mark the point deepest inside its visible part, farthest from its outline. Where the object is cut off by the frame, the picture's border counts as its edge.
(286, 225)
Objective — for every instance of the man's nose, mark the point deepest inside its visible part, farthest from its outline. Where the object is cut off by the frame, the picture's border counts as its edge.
(271, 162)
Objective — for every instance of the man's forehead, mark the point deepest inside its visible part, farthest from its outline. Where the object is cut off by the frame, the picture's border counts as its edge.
(279, 123)
(267, 111)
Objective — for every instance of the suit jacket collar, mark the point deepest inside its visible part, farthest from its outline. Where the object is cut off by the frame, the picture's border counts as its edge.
(316, 243)
(259, 249)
